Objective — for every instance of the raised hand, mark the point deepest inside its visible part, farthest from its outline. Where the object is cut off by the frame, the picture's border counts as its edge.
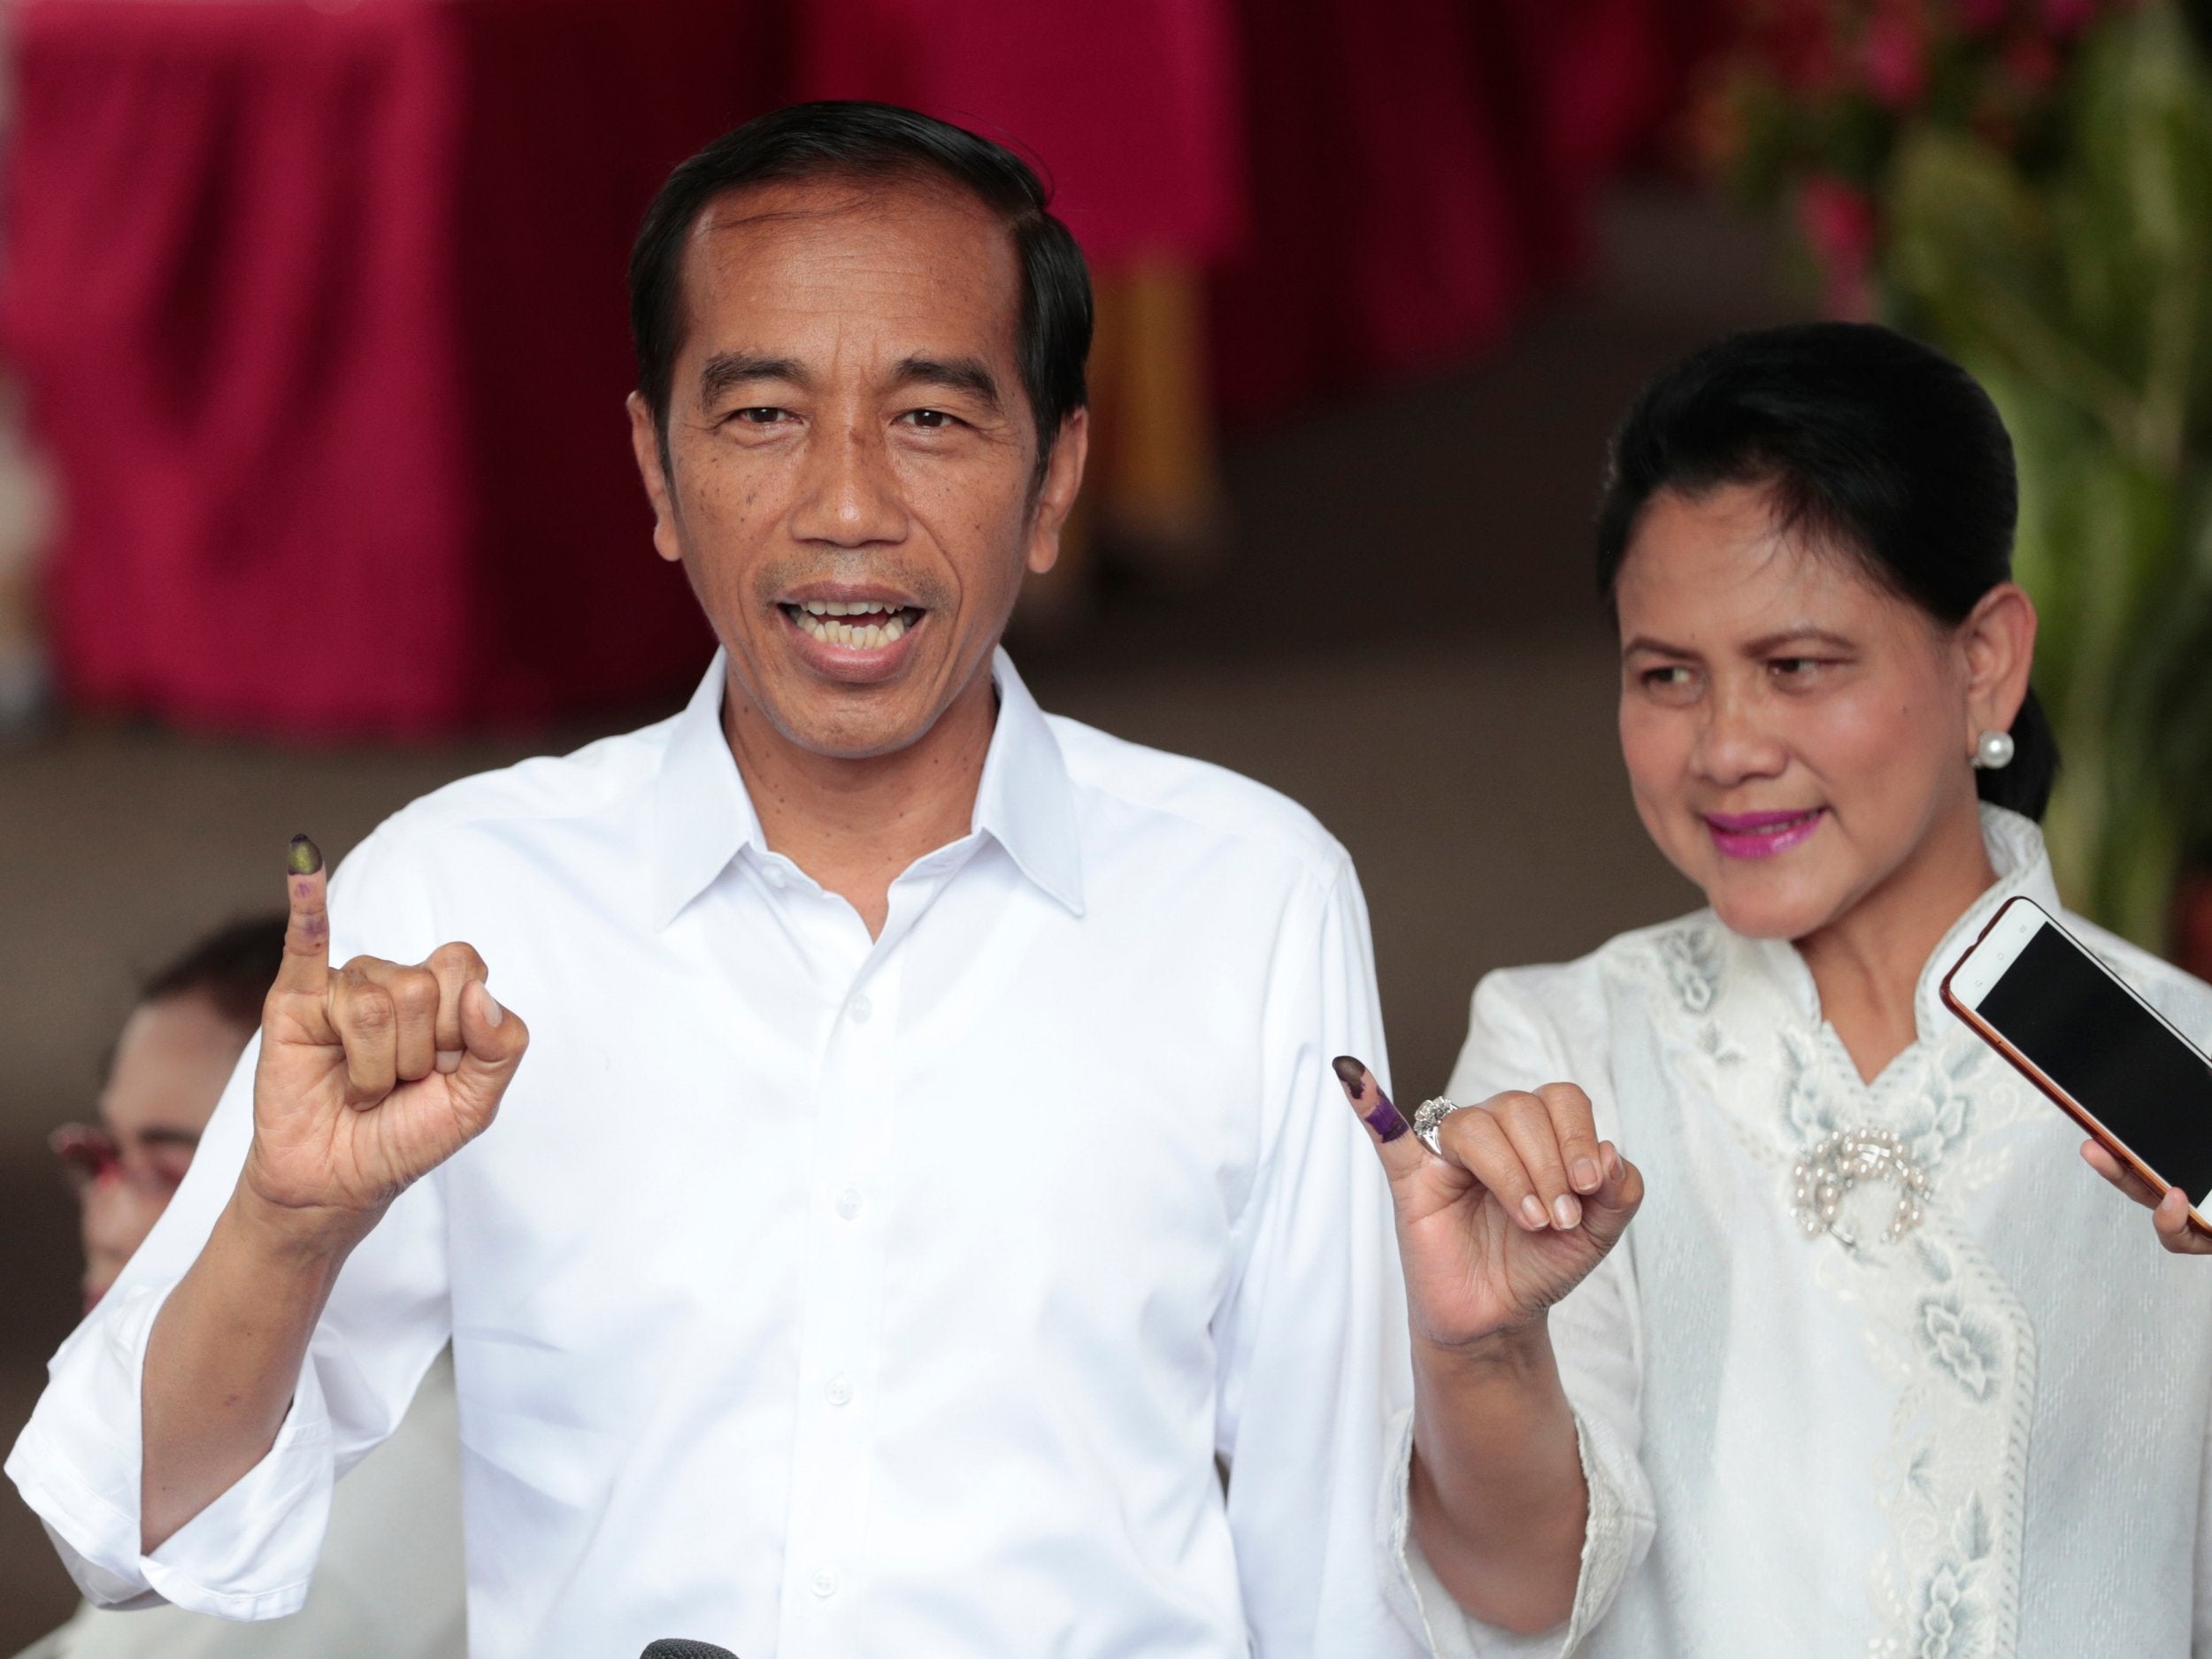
(373, 1075)
(2170, 1210)
(1524, 1201)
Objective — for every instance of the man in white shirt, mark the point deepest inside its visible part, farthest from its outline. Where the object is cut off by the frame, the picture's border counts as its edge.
(926, 1164)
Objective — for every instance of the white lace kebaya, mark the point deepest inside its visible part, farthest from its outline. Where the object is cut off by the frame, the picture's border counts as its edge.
(1907, 1381)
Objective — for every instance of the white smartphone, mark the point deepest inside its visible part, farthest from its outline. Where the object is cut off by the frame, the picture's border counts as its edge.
(2035, 993)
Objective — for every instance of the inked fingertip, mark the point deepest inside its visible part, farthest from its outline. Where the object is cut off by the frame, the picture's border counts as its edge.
(302, 857)
(1351, 1073)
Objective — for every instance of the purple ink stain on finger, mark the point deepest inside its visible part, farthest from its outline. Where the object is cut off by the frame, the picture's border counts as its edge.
(1383, 1118)
(1386, 1120)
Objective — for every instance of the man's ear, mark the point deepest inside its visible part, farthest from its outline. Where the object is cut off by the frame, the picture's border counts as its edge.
(1998, 637)
(1055, 495)
(645, 444)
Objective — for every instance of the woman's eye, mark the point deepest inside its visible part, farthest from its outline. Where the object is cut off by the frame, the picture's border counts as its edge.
(1797, 668)
(1672, 677)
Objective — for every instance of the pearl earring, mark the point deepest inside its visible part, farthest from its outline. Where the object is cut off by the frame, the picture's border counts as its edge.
(1994, 751)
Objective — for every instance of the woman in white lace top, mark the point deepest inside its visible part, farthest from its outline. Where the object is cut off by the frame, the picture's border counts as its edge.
(1971, 1421)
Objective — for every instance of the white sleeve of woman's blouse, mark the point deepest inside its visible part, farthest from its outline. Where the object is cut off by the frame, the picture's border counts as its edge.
(249, 1554)
(1513, 1042)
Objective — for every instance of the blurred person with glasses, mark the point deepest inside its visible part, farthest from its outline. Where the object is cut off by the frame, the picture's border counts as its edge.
(390, 1585)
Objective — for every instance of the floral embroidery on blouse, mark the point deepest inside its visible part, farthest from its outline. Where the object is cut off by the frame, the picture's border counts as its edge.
(1946, 1331)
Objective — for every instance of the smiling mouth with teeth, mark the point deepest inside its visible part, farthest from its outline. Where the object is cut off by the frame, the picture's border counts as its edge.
(863, 625)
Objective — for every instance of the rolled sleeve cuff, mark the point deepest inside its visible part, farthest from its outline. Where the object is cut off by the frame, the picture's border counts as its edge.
(248, 1556)
(1614, 1539)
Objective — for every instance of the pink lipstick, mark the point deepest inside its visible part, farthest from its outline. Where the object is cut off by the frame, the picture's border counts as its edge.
(1761, 835)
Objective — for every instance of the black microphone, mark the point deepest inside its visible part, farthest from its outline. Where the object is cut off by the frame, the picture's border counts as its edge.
(672, 1647)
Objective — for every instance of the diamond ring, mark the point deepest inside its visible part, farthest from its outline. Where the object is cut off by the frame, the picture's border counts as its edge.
(1428, 1120)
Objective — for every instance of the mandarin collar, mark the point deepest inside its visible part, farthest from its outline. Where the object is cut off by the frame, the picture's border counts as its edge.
(2023, 870)
(703, 817)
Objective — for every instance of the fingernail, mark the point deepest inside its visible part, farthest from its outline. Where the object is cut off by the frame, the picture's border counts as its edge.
(1613, 1165)
(1532, 1210)
(1566, 1212)
(1586, 1175)
(1383, 1120)
(493, 1012)
(449, 1060)
(302, 857)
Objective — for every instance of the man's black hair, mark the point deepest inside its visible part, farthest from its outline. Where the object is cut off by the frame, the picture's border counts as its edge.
(871, 141)
(233, 967)
(1870, 443)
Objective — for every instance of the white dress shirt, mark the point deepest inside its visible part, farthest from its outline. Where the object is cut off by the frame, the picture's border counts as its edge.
(822, 1295)
(388, 1585)
(1988, 1437)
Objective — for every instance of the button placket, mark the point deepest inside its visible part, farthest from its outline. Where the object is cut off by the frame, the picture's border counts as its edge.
(834, 1446)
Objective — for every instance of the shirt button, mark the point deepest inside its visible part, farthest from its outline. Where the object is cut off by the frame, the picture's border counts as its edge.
(848, 1203)
(838, 1390)
(860, 1007)
(825, 1583)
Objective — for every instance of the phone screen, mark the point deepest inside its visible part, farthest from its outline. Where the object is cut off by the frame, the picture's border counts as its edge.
(2088, 1035)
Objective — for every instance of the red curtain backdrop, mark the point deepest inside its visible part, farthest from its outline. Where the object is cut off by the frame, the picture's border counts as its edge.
(320, 303)
(1422, 173)
(321, 314)
(1130, 109)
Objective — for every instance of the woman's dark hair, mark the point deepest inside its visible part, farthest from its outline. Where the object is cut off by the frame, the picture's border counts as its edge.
(233, 967)
(873, 141)
(1870, 443)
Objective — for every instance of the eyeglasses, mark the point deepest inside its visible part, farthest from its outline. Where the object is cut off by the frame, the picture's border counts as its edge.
(90, 1155)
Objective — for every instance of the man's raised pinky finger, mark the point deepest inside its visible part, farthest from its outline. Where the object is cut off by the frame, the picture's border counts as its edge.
(306, 965)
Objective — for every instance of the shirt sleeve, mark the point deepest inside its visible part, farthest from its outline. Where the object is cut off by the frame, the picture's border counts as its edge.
(1512, 1044)
(251, 1554)
(1311, 1338)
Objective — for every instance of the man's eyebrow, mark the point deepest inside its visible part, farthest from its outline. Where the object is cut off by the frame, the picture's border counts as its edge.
(959, 374)
(159, 1137)
(725, 371)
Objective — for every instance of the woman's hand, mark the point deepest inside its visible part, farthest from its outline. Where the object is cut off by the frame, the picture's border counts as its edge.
(2169, 1213)
(1522, 1201)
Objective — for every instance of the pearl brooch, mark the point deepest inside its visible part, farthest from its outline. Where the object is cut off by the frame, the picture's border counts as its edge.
(1847, 1159)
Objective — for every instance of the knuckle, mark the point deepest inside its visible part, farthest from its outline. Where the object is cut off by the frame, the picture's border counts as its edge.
(457, 957)
(372, 1009)
(415, 991)
(1564, 1093)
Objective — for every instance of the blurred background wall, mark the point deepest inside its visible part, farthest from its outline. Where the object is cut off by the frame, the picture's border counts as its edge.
(316, 490)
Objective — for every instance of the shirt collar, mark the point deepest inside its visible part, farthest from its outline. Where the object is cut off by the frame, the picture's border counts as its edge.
(703, 817)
